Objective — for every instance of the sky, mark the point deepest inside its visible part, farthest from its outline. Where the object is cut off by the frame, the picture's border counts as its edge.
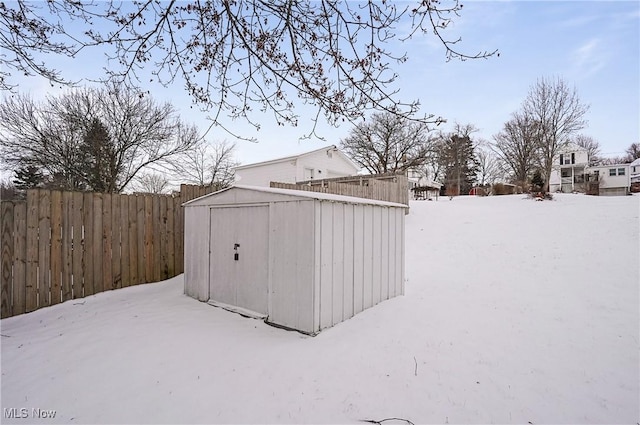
(593, 45)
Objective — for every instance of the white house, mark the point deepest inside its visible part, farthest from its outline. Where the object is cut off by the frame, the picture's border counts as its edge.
(300, 260)
(421, 186)
(324, 163)
(568, 171)
(634, 175)
(613, 179)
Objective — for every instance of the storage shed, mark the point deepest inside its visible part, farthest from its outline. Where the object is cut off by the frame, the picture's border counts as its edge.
(300, 260)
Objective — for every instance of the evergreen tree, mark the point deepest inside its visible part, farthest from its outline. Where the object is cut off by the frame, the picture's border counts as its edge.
(460, 164)
(100, 158)
(537, 181)
(28, 177)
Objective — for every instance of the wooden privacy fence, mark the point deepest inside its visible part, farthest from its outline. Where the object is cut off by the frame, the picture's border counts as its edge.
(58, 246)
(384, 187)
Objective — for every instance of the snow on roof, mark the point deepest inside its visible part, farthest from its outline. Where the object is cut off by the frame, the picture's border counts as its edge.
(306, 194)
(292, 157)
(635, 163)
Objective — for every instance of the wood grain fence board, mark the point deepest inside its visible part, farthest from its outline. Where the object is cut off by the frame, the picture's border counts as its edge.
(156, 241)
(116, 242)
(171, 240)
(31, 281)
(44, 247)
(80, 255)
(164, 239)
(98, 250)
(57, 253)
(107, 239)
(179, 226)
(141, 216)
(133, 241)
(19, 257)
(125, 279)
(148, 239)
(67, 246)
(88, 283)
(6, 276)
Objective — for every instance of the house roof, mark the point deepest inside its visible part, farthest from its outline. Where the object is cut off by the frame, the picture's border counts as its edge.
(304, 194)
(635, 163)
(293, 157)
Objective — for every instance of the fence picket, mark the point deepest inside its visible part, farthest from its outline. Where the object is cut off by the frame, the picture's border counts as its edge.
(6, 277)
(124, 241)
(116, 244)
(44, 247)
(67, 246)
(19, 258)
(107, 238)
(140, 214)
(98, 249)
(57, 254)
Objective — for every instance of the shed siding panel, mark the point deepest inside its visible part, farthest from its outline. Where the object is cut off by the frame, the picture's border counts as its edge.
(399, 253)
(338, 263)
(317, 263)
(358, 258)
(393, 248)
(196, 252)
(348, 289)
(384, 255)
(326, 264)
(291, 264)
(377, 253)
(368, 264)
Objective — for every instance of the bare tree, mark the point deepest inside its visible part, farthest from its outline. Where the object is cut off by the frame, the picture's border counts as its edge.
(209, 164)
(489, 166)
(151, 182)
(388, 143)
(97, 138)
(516, 146)
(557, 114)
(592, 147)
(234, 56)
(633, 152)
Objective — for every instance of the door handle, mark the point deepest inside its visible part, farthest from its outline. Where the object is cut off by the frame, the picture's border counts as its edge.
(236, 255)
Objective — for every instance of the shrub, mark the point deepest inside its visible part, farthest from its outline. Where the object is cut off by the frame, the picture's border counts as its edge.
(499, 189)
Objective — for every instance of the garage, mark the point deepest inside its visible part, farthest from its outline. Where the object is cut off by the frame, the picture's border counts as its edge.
(297, 259)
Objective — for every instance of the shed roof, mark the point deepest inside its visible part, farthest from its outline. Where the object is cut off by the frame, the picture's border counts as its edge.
(303, 194)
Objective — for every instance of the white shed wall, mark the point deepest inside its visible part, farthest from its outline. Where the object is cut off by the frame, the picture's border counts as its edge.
(196, 252)
(360, 264)
(327, 260)
(292, 262)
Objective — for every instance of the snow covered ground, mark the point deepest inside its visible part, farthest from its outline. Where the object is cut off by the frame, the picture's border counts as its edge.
(515, 311)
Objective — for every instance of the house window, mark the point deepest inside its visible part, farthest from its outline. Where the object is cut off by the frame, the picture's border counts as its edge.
(612, 171)
(565, 173)
(621, 171)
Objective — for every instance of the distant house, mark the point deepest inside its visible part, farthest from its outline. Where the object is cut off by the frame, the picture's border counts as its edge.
(612, 179)
(324, 163)
(421, 186)
(634, 175)
(569, 168)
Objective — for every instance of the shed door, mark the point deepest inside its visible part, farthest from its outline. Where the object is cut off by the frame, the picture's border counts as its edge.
(239, 267)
